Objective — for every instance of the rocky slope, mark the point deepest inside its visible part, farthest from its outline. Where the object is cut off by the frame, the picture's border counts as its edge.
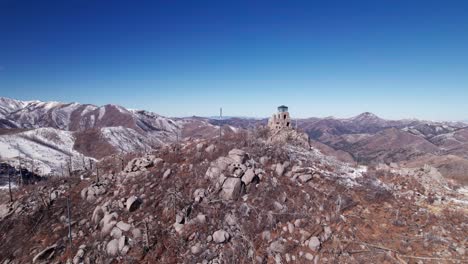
(238, 200)
(369, 139)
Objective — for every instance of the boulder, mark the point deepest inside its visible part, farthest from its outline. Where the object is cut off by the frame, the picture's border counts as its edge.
(277, 247)
(309, 256)
(90, 193)
(116, 233)
(84, 193)
(461, 251)
(178, 227)
(220, 236)
(201, 218)
(139, 164)
(167, 173)
(136, 233)
(210, 148)
(223, 162)
(79, 255)
(314, 243)
(112, 247)
(180, 218)
(54, 195)
(303, 178)
(231, 188)
(238, 155)
(123, 226)
(130, 166)
(280, 168)
(196, 249)
(278, 206)
(230, 219)
(290, 228)
(199, 194)
(157, 161)
(213, 172)
(122, 242)
(327, 232)
(144, 163)
(108, 222)
(133, 203)
(266, 235)
(200, 146)
(98, 214)
(249, 175)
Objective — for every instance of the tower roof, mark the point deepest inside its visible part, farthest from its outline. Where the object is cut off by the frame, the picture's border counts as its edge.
(282, 108)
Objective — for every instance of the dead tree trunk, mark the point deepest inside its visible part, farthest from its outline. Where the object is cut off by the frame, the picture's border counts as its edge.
(146, 236)
(97, 173)
(69, 223)
(9, 186)
(20, 182)
(70, 168)
(84, 163)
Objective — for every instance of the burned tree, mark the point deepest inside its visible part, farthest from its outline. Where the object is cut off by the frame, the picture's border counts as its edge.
(9, 185)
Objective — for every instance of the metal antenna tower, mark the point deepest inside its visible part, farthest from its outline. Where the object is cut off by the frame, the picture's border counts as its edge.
(220, 124)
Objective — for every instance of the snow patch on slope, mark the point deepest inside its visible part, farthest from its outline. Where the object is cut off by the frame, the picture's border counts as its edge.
(45, 149)
(88, 109)
(102, 112)
(343, 172)
(124, 139)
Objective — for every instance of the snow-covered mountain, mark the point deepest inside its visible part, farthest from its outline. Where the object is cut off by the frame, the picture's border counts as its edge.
(79, 117)
(47, 134)
(42, 150)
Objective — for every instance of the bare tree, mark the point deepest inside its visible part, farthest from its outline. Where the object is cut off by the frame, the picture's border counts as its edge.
(83, 160)
(20, 180)
(122, 160)
(97, 173)
(9, 185)
(69, 222)
(90, 165)
(70, 166)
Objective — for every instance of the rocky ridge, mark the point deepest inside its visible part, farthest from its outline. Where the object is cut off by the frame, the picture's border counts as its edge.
(238, 200)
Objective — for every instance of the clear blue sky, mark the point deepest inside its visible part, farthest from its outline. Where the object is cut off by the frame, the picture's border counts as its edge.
(179, 58)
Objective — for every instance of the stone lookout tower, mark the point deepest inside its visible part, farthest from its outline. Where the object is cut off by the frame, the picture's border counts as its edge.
(280, 120)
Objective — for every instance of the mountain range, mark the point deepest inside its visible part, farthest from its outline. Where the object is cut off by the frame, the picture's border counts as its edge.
(49, 133)
(137, 187)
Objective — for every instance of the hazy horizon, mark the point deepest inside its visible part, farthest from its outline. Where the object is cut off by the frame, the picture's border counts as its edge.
(396, 59)
(227, 116)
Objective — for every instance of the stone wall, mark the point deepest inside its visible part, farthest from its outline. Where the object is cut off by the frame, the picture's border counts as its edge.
(280, 120)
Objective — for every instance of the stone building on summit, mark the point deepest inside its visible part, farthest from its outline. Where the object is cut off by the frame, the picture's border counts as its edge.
(280, 120)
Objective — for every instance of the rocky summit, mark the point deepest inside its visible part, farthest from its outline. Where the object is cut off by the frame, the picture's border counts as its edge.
(248, 197)
(226, 132)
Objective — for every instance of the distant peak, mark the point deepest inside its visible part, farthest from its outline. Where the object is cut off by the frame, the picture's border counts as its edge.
(366, 115)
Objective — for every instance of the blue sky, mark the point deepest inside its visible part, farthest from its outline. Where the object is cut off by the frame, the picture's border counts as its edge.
(394, 58)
